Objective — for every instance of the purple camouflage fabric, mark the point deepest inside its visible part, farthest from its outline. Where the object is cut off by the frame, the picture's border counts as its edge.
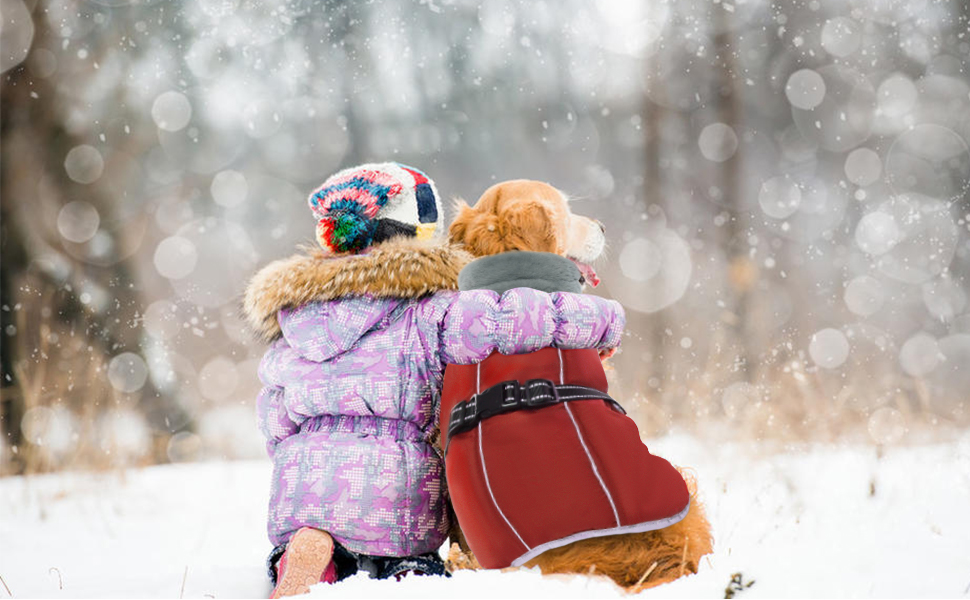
(351, 399)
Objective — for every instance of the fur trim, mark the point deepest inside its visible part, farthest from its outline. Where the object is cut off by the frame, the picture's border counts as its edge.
(398, 268)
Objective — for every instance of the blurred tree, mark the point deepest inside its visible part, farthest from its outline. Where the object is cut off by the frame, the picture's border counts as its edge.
(54, 288)
(742, 270)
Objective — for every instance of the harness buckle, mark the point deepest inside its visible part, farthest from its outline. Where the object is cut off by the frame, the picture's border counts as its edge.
(539, 392)
(471, 409)
(511, 394)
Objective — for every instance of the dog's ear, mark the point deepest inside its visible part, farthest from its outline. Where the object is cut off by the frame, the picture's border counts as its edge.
(528, 225)
(458, 227)
(477, 230)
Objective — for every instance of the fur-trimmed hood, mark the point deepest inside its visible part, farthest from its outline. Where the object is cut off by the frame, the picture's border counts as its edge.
(398, 268)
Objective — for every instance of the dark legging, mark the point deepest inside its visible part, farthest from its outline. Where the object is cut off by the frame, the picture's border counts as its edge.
(377, 567)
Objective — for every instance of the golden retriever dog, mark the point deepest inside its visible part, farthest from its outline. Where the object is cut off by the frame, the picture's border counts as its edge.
(534, 216)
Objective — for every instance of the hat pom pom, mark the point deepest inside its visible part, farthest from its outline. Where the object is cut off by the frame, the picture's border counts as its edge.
(346, 229)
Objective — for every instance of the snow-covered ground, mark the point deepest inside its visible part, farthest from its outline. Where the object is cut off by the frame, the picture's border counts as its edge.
(819, 521)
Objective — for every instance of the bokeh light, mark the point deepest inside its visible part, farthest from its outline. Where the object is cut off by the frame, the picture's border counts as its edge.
(127, 372)
(171, 111)
(78, 221)
(829, 348)
(84, 164)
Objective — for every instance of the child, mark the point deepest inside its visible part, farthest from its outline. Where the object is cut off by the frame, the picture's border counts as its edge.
(360, 334)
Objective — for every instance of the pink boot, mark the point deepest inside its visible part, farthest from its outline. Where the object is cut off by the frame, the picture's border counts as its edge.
(306, 561)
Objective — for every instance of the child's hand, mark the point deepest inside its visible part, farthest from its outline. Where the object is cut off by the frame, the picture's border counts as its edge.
(605, 354)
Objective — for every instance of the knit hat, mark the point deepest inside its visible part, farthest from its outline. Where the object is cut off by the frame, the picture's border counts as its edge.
(368, 204)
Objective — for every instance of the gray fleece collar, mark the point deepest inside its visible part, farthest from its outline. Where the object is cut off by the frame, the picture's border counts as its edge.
(538, 270)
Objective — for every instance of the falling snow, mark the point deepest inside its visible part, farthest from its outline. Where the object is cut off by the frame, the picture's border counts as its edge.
(785, 191)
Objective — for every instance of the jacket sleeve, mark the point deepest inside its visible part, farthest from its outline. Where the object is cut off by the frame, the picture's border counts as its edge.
(478, 322)
(275, 424)
(273, 420)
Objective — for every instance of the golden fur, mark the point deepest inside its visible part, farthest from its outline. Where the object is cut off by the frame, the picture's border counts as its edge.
(530, 215)
(525, 215)
(398, 268)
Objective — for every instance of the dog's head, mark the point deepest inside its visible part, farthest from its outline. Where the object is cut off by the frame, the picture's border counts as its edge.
(528, 215)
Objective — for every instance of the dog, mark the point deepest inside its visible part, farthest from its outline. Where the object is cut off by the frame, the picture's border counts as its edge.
(532, 216)
(528, 215)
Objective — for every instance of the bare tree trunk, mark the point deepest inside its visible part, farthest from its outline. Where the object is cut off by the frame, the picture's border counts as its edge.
(348, 30)
(14, 260)
(743, 272)
(654, 324)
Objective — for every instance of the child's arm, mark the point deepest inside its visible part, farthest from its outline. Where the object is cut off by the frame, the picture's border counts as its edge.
(521, 320)
(274, 422)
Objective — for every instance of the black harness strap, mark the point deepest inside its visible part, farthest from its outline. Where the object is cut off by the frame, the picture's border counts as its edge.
(511, 395)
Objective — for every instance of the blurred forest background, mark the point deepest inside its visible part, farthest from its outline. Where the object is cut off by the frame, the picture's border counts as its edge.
(785, 186)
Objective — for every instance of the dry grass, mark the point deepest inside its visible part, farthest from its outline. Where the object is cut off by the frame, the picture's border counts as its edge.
(59, 368)
(784, 398)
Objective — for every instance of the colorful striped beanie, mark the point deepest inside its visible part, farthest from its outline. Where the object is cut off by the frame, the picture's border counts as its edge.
(368, 204)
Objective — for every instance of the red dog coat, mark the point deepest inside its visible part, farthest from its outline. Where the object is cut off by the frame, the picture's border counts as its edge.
(531, 479)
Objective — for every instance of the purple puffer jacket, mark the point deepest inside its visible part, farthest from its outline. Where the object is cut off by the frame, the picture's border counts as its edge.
(351, 401)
